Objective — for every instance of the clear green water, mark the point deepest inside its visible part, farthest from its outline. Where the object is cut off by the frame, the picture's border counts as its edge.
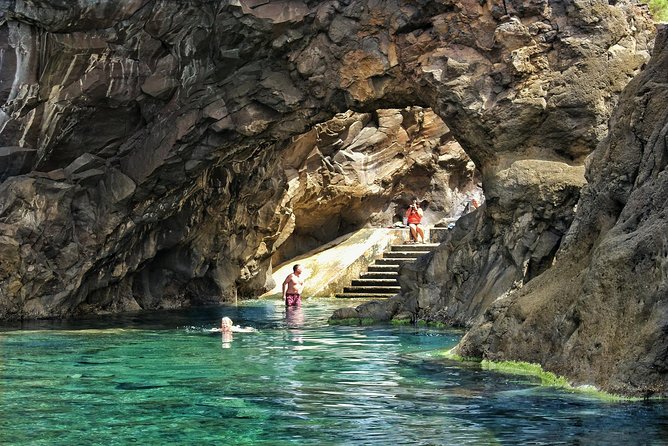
(160, 378)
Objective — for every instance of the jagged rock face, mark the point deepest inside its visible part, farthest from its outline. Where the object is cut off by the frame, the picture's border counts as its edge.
(488, 252)
(600, 314)
(141, 140)
(304, 186)
(364, 168)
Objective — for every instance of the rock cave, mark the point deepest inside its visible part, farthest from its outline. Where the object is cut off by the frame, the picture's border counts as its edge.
(157, 154)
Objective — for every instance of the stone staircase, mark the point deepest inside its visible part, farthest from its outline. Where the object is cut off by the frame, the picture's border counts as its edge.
(380, 280)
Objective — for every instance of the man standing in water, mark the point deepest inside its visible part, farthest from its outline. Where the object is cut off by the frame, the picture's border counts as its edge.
(293, 287)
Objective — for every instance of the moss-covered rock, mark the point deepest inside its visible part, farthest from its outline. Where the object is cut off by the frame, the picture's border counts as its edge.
(353, 321)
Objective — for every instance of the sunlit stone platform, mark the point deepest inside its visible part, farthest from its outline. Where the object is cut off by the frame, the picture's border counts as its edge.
(335, 265)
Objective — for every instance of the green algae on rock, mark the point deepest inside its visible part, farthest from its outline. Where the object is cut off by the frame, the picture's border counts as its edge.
(353, 321)
(547, 378)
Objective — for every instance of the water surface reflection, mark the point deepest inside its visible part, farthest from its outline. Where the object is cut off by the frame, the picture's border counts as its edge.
(162, 378)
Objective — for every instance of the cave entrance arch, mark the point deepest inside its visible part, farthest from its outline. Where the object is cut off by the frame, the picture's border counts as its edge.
(361, 169)
(517, 92)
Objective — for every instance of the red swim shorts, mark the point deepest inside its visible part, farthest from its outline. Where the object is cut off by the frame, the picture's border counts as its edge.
(293, 300)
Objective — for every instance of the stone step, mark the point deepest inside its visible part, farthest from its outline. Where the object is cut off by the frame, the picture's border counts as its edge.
(403, 254)
(379, 275)
(364, 295)
(376, 268)
(375, 282)
(395, 261)
(414, 247)
(372, 289)
(381, 279)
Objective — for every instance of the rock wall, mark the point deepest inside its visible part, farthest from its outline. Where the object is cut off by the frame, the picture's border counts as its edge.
(141, 140)
(488, 252)
(600, 314)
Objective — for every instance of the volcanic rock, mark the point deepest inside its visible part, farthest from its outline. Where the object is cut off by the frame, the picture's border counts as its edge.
(600, 315)
(192, 105)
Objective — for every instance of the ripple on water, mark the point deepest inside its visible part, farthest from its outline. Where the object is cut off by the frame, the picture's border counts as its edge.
(164, 378)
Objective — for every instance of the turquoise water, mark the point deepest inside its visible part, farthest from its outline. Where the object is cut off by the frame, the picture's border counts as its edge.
(160, 378)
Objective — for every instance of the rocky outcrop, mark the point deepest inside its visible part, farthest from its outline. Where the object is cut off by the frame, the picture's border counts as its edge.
(142, 139)
(531, 181)
(489, 252)
(600, 314)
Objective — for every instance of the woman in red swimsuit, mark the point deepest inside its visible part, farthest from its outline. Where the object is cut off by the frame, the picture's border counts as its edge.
(414, 217)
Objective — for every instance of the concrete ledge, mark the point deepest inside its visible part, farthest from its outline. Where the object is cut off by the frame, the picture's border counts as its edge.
(431, 234)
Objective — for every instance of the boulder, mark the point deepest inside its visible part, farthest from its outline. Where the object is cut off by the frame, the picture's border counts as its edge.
(16, 161)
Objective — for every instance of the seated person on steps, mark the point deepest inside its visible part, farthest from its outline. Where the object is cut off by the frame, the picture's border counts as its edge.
(414, 217)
